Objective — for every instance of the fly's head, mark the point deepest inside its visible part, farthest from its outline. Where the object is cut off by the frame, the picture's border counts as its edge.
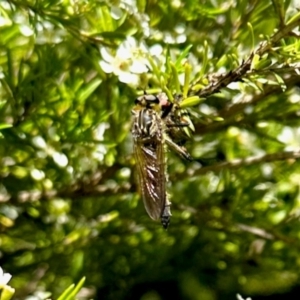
(148, 101)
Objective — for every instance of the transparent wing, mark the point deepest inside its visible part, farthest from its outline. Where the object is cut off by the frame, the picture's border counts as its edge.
(150, 161)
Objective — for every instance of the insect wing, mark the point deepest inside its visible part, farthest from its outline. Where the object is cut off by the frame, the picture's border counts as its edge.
(149, 153)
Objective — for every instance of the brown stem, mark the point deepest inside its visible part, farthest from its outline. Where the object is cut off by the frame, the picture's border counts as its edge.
(251, 160)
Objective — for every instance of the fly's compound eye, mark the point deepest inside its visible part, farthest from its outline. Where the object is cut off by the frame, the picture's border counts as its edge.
(147, 100)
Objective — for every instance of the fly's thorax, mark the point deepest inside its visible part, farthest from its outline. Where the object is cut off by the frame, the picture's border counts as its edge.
(147, 124)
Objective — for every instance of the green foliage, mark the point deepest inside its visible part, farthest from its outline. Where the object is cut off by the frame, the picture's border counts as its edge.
(71, 292)
(69, 198)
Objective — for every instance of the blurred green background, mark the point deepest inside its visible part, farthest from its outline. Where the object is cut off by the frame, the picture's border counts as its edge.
(69, 197)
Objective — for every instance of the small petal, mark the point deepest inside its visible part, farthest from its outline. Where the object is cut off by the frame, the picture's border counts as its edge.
(123, 51)
(107, 68)
(116, 13)
(129, 78)
(156, 50)
(106, 55)
(100, 130)
(130, 2)
(37, 174)
(4, 278)
(181, 39)
(143, 47)
(5, 21)
(60, 159)
(138, 67)
(130, 42)
(26, 30)
(169, 39)
(39, 142)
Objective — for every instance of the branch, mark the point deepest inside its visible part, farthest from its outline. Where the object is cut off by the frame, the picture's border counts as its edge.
(237, 74)
(256, 231)
(94, 185)
(251, 160)
(230, 112)
(269, 235)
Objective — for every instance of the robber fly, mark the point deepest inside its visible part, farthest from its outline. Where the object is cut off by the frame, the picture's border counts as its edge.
(154, 123)
(148, 137)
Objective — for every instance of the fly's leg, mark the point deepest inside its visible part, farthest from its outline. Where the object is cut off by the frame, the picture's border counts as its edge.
(182, 124)
(179, 149)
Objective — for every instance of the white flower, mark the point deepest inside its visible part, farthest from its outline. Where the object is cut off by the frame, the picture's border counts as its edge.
(118, 65)
(138, 53)
(100, 130)
(60, 159)
(4, 278)
(144, 22)
(171, 38)
(113, 64)
(129, 61)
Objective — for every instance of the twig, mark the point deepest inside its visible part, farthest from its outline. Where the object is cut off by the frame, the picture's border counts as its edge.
(230, 112)
(270, 234)
(251, 160)
(240, 71)
(256, 231)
